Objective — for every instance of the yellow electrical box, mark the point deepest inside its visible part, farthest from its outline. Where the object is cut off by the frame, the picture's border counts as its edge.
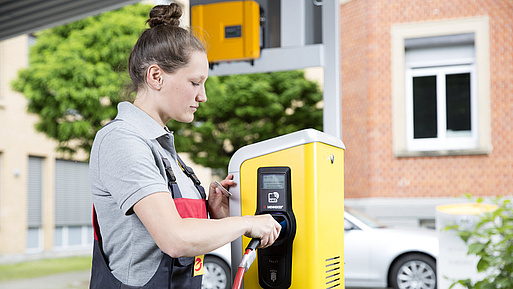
(313, 162)
(231, 29)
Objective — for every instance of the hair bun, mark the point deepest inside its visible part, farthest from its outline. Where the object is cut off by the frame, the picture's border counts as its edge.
(165, 15)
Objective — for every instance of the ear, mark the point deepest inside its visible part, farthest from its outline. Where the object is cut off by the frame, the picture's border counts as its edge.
(154, 76)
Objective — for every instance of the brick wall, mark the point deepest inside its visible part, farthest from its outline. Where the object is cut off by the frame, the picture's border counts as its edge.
(371, 168)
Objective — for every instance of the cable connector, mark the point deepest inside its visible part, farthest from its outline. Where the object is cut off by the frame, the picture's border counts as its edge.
(253, 244)
(247, 259)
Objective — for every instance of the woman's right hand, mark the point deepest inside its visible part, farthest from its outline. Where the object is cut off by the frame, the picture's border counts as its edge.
(263, 227)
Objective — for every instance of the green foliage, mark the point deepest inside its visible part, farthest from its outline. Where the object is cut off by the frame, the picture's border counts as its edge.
(491, 240)
(72, 81)
(76, 71)
(243, 109)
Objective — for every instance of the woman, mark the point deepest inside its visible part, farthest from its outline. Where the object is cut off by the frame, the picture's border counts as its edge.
(149, 209)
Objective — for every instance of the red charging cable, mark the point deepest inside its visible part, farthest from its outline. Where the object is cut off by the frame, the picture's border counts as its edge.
(247, 259)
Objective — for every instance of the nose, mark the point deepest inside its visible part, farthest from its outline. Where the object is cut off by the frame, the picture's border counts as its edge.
(202, 95)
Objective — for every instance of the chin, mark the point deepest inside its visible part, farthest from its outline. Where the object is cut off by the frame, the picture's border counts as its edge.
(189, 120)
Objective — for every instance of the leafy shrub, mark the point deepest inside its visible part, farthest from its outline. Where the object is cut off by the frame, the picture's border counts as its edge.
(491, 240)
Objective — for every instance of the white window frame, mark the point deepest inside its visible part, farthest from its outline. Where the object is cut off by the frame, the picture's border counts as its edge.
(479, 26)
(444, 139)
(86, 238)
(40, 238)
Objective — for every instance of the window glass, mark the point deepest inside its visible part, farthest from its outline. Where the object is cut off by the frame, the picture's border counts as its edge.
(457, 87)
(33, 239)
(75, 236)
(58, 237)
(424, 107)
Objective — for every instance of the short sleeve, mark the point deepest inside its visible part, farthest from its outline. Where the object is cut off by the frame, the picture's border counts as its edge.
(127, 168)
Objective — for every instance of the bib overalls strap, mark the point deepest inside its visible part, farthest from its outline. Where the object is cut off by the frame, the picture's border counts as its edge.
(172, 273)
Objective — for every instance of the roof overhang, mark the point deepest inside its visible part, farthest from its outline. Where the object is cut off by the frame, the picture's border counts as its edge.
(19, 17)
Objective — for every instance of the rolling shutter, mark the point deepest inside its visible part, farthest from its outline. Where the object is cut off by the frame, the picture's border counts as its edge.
(35, 189)
(73, 204)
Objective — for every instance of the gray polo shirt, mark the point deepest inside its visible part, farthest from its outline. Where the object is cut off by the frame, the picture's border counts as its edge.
(126, 166)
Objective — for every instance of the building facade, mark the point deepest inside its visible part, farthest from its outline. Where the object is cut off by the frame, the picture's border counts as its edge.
(427, 116)
(30, 194)
(426, 104)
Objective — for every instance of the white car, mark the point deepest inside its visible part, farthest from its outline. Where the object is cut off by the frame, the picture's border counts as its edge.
(377, 256)
(217, 269)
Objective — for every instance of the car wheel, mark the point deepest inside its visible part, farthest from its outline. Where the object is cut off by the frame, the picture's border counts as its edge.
(217, 274)
(413, 271)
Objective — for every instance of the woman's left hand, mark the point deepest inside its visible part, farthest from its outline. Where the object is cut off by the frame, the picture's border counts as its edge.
(218, 203)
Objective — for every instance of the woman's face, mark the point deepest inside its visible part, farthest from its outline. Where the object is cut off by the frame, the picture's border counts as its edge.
(183, 90)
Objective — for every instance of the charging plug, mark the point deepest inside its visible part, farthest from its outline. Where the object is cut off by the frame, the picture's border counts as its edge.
(253, 244)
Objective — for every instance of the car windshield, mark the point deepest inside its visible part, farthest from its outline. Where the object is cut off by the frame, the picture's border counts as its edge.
(364, 218)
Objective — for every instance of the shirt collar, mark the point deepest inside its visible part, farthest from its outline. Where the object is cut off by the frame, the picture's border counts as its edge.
(145, 125)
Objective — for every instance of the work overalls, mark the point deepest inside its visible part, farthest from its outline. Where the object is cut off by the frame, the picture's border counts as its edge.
(172, 273)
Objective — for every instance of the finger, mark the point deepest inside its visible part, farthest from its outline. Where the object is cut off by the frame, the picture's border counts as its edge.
(266, 242)
(212, 187)
(228, 181)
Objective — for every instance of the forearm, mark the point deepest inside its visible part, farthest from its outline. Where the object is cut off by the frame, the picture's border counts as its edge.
(193, 237)
(179, 237)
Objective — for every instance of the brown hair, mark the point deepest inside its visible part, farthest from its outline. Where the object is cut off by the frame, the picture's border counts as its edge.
(164, 43)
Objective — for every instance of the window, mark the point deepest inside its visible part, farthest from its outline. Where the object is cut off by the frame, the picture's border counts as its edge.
(440, 96)
(34, 204)
(440, 102)
(441, 88)
(73, 205)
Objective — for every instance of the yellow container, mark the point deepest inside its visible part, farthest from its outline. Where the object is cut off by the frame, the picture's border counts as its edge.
(316, 161)
(231, 29)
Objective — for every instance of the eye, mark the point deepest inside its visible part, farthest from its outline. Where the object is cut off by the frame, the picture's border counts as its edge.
(195, 83)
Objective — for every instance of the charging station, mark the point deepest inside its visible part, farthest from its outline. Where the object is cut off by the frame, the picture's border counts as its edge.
(298, 178)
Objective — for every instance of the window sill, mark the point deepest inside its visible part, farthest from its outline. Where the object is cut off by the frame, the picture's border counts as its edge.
(443, 153)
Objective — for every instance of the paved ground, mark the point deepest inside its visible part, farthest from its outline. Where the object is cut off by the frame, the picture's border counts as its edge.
(73, 280)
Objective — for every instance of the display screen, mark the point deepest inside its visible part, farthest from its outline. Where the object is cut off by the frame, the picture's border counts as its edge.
(233, 31)
(273, 181)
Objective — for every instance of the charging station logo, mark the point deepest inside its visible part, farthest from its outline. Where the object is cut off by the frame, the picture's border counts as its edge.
(273, 197)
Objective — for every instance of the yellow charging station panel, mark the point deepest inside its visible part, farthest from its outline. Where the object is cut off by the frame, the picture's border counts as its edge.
(317, 187)
(231, 29)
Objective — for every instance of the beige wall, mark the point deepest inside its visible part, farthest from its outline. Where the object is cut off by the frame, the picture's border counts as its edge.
(18, 141)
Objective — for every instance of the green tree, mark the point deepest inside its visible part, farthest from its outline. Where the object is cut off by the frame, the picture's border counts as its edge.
(243, 109)
(76, 71)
